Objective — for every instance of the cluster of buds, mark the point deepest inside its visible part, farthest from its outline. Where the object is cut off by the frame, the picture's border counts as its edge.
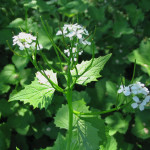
(140, 94)
(26, 40)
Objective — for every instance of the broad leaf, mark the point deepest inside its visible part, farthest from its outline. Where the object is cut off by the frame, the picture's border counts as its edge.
(36, 94)
(85, 136)
(63, 122)
(85, 133)
(93, 72)
(141, 55)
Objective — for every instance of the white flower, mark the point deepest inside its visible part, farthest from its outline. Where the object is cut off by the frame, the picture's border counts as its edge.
(73, 53)
(125, 90)
(41, 78)
(25, 40)
(138, 103)
(147, 98)
(74, 30)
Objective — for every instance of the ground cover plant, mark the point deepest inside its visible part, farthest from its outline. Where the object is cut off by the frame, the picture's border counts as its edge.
(74, 75)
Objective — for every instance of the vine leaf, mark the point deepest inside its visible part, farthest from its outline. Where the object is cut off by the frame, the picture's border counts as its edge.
(93, 72)
(36, 94)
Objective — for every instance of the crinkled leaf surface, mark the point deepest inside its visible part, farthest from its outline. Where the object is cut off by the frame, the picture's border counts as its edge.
(36, 94)
(93, 72)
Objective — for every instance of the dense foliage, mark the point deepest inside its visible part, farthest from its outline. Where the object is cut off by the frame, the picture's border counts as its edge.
(119, 27)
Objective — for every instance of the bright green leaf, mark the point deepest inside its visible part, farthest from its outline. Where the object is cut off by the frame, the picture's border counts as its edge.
(36, 94)
(93, 72)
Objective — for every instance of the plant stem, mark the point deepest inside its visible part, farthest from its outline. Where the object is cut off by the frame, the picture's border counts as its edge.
(69, 99)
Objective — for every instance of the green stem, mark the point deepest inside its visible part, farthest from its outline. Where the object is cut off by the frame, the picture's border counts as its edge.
(101, 112)
(69, 99)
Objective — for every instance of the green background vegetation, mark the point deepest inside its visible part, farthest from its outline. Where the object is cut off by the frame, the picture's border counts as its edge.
(122, 28)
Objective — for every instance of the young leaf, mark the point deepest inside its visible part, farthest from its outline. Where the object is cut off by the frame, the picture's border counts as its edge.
(93, 72)
(36, 94)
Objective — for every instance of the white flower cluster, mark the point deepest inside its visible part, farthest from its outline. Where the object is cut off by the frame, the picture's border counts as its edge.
(74, 30)
(42, 79)
(74, 53)
(26, 40)
(137, 89)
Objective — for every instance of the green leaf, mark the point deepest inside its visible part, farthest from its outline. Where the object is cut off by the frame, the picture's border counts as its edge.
(142, 125)
(60, 143)
(93, 72)
(21, 122)
(117, 123)
(4, 88)
(86, 136)
(16, 23)
(5, 108)
(73, 8)
(141, 55)
(36, 94)
(85, 133)
(9, 75)
(20, 62)
(97, 13)
(121, 26)
(99, 124)
(80, 95)
(135, 14)
(63, 122)
(110, 144)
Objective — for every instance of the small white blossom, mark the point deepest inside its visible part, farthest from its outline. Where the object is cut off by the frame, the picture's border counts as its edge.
(125, 90)
(73, 53)
(25, 40)
(74, 30)
(138, 103)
